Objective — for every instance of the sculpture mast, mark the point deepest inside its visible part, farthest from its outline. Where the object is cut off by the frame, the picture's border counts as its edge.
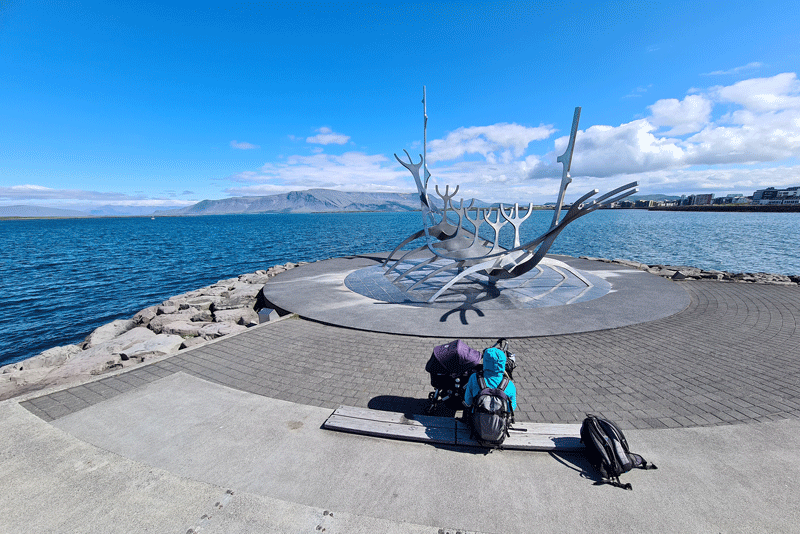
(566, 160)
(425, 174)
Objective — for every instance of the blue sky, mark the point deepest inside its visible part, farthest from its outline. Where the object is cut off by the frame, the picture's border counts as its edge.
(142, 104)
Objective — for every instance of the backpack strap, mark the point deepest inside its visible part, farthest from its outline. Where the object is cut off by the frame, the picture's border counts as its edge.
(504, 383)
(640, 462)
(481, 381)
(614, 481)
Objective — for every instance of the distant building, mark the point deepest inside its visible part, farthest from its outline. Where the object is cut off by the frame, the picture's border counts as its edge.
(733, 198)
(772, 196)
(703, 200)
(697, 200)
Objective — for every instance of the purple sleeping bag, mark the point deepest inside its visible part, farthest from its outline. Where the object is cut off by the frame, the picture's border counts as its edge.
(454, 358)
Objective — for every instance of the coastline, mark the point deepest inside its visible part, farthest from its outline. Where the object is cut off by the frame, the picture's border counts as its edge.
(226, 307)
(158, 331)
(743, 208)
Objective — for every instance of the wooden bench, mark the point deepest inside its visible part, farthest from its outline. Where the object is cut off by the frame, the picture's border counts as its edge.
(449, 431)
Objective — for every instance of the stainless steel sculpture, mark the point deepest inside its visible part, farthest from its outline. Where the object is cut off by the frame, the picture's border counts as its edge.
(463, 250)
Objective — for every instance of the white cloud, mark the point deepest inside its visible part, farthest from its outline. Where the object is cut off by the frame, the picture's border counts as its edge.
(351, 171)
(736, 70)
(243, 145)
(607, 150)
(763, 94)
(498, 142)
(326, 136)
(734, 138)
(686, 116)
(762, 127)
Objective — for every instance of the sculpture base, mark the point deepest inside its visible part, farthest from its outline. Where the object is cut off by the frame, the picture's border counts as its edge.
(551, 283)
(353, 293)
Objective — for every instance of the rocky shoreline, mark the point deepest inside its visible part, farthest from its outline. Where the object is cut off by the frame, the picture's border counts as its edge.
(226, 307)
(683, 272)
(187, 320)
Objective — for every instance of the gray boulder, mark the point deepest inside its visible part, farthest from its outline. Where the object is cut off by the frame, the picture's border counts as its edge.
(159, 345)
(258, 278)
(157, 323)
(184, 328)
(202, 302)
(242, 295)
(167, 309)
(203, 315)
(108, 332)
(215, 330)
(192, 342)
(242, 316)
(49, 358)
(634, 264)
(144, 317)
(99, 357)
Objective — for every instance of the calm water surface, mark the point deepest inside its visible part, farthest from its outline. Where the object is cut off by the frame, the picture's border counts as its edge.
(63, 278)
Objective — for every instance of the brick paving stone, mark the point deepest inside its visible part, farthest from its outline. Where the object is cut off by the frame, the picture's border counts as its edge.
(732, 356)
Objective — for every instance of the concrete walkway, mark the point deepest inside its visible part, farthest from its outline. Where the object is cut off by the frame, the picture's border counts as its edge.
(226, 437)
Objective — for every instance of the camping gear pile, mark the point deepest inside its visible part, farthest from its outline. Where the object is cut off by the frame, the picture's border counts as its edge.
(450, 367)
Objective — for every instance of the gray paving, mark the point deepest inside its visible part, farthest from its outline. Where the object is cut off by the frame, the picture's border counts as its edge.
(226, 437)
(182, 454)
(730, 357)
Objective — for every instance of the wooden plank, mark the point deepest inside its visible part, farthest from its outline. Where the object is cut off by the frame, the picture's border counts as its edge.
(431, 429)
(427, 421)
(383, 429)
(535, 440)
(549, 429)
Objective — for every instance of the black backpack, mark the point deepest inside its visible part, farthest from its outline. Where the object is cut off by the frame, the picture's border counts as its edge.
(607, 450)
(491, 414)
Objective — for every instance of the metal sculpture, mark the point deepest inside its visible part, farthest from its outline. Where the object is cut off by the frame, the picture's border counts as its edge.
(463, 250)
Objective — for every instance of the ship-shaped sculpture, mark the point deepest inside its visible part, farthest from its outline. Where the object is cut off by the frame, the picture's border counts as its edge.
(453, 233)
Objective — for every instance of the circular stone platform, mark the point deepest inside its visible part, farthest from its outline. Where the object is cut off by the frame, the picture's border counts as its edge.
(564, 295)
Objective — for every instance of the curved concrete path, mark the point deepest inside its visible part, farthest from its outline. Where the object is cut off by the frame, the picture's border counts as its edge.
(158, 448)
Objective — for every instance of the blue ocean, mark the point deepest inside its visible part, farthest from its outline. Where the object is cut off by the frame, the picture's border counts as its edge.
(62, 278)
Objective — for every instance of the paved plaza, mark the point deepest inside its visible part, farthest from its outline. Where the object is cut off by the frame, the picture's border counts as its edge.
(709, 391)
(730, 357)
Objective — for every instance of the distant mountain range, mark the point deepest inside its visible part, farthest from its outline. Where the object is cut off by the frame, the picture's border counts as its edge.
(309, 201)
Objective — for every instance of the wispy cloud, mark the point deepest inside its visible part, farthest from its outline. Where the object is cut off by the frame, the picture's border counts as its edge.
(326, 136)
(347, 172)
(243, 145)
(78, 198)
(638, 92)
(750, 67)
(37, 192)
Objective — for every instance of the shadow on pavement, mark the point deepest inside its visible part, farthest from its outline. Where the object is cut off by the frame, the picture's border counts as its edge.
(393, 403)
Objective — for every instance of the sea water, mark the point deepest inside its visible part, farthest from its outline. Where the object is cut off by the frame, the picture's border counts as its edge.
(62, 278)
